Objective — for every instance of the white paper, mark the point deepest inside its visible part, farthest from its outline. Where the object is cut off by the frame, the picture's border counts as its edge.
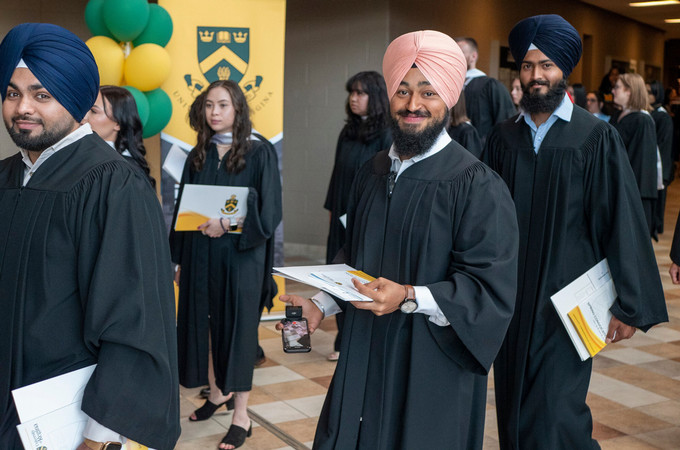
(49, 411)
(207, 201)
(332, 278)
(174, 162)
(594, 292)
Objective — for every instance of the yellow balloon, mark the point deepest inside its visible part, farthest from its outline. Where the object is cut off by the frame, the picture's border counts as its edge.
(109, 58)
(147, 67)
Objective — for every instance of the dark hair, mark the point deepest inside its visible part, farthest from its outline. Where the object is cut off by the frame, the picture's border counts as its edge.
(469, 41)
(459, 112)
(241, 129)
(579, 94)
(657, 91)
(124, 113)
(378, 106)
(599, 95)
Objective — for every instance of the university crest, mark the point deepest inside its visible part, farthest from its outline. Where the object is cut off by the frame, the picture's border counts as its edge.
(230, 206)
(223, 52)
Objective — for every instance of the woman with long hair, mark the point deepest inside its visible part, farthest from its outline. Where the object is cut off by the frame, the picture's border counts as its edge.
(461, 129)
(221, 274)
(115, 119)
(366, 132)
(636, 127)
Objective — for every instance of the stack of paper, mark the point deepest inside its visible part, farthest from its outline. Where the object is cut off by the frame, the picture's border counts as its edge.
(336, 279)
(50, 412)
(583, 307)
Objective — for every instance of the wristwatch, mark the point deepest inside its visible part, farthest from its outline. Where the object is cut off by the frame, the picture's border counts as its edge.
(409, 304)
(94, 445)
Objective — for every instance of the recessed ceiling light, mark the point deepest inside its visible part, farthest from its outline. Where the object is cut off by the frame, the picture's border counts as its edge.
(672, 20)
(653, 3)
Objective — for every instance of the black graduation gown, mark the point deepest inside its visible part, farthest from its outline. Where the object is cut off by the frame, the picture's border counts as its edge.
(466, 135)
(639, 137)
(577, 202)
(222, 279)
(350, 155)
(85, 277)
(402, 381)
(487, 102)
(664, 140)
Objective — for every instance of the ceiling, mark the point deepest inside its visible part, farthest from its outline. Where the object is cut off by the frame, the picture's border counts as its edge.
(653, 15)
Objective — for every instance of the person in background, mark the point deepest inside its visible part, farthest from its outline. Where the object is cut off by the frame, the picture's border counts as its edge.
(637, 129)
(461, 129)
(487, 101)
(594, 104)
(576, 203)
(114, 117)
(516, 92)
(578, 93)
(366, 132)
(221, 275)
(664, 142)
(85, 272)
(609, 80)
(438, 229)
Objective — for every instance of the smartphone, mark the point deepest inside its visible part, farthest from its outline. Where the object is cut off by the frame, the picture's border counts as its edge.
(295, 336)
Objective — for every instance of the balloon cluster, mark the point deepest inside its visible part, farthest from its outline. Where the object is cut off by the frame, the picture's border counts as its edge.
(127, 44)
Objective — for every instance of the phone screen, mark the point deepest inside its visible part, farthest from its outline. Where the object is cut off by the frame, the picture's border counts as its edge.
(296, 336)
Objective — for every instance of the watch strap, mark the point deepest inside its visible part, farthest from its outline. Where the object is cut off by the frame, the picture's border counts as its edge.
(94, 445)
(410, 293)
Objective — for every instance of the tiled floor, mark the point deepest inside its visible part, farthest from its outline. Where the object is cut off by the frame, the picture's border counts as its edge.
(634, 393)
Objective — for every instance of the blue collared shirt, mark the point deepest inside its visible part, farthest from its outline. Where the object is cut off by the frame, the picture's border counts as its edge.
(563, 112)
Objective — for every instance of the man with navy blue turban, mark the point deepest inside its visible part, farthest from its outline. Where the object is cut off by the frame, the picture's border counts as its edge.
(577, 203)
(84, 263)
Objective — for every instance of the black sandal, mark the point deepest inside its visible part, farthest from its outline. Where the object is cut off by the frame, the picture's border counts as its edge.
(236, 435)
(206, 411)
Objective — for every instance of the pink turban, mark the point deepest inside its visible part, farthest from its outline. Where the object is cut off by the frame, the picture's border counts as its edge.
(437, 56)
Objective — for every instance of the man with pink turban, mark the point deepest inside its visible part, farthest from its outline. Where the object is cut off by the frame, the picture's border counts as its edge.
(577, 203)
(437, 229)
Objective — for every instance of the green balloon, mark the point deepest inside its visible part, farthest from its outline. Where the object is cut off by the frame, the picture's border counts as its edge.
(160, 111)
(126, 19)
(159, 28)
(142, 103)
(94, 19)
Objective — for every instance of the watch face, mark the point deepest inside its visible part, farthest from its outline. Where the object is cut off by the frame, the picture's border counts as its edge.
(408, 306)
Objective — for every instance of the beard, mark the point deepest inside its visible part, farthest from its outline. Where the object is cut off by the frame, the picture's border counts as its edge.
(535, 102)
(42, 141)
(408, 143)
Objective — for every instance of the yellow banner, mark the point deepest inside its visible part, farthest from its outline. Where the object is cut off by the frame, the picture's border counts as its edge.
(239, 40)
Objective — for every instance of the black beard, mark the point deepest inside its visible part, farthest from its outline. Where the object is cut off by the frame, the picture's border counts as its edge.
(535, 102)
(408, 144)
(38, 143)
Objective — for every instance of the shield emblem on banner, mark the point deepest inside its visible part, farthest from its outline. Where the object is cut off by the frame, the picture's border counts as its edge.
(223, 52)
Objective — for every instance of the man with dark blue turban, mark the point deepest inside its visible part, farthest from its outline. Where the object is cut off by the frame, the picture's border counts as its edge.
(577, 203)
(84, 263)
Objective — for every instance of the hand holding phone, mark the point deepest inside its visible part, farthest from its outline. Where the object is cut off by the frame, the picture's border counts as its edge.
(295, 333)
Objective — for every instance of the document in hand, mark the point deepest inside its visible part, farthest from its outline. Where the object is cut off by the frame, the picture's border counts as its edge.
(583, 307)
(335, 279)
(50, 412)
(201, 202)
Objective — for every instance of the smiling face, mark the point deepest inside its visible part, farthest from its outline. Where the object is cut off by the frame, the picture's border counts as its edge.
(100, 119)
(219, 110)
(34, 119)
(538, 73)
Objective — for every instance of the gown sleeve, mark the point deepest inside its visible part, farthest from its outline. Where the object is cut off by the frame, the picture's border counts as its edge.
(264, 200)
(125, 281)
(330, 194)
(177, 237)
(617, 223)
(478, 296)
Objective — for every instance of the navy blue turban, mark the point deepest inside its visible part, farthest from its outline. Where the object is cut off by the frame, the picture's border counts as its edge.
(552, 35)
(59, 59)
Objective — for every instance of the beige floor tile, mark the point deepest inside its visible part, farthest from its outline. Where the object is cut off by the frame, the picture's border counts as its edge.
(294, 389)
(631, 356)
(645, 379)
(277, 412)
(603, 432)
(302, 430)
(623, 393)
(309, 406)
(666, 367)
(631, 421)
(668, 411)
(272, 375)
(668, 438)
(313, 370)
(626, 443)
(664, 333)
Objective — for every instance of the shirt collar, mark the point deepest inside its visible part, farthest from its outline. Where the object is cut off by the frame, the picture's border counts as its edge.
(563, 111)
(79, 133)
(442, 141)
(473, 73)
